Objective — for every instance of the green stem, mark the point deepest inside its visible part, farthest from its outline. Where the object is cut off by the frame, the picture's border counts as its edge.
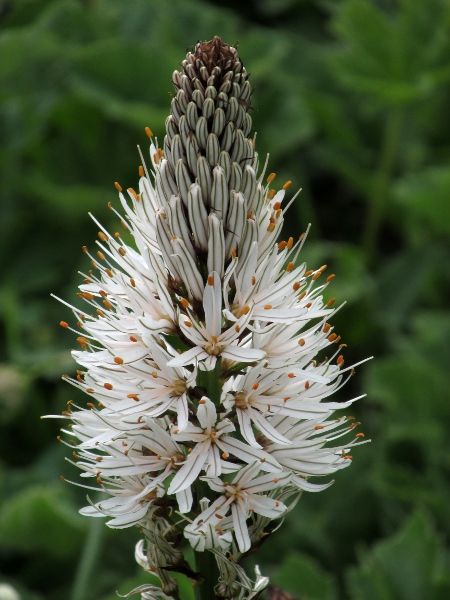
(82, 585)
(210, 380)
(205, 562)
(382, 180)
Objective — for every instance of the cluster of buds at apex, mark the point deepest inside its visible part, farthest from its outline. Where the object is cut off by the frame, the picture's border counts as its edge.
(209, 124)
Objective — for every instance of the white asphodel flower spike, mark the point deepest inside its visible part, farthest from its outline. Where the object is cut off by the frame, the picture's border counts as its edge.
(206, 350)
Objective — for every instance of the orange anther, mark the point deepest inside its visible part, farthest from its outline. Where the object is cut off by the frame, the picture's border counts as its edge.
(290, 267)
(141, 171)
(302, 295)
(276, 480)
(210, 280)
(118, 186)
(132, 281)
(118, 360)
(331, 302)
(101, 255)
(253, 280)
(122, 251)
(360, 435)
(184, 303)
(255, 386)
(246, 309)
(326, 328)
(132, 338)
(290, 243)
(271, 194)
(317, 427)
(133, 397)
(149, 132)
(286, 185)
(188, 323)
(301, 342)
(271, 227)
(108, 386)
(332, 337)
(108, 304)
(109, 273)
(296, 286)
(282, 245)
(85, 249)
(340, 360)
(291, 375)
(271, 177)
(268, 306)
(233, 253)
(277, 206)
(202, 401)
(64, 324)
(308, 273)
(330, 277)
(316, 275)
(237, 328)
(306, 385)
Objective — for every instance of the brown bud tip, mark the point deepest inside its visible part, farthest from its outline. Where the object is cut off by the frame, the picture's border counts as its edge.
(215, 53)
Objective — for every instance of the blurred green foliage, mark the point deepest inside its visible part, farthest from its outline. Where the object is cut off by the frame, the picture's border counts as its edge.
(352, 100)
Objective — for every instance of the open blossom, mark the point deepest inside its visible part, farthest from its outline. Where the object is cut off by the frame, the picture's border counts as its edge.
(240, 497)
(206, 350)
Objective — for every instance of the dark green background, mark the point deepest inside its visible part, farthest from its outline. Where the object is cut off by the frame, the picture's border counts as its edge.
(352, 101)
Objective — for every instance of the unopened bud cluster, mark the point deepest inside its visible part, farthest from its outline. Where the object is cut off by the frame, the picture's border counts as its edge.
(207, 352)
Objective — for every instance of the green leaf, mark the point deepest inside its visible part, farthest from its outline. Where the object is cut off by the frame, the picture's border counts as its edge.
(425, 196)
(405, 567)
(302, 576)
(396, 56)
(41, 519)
(401, 283)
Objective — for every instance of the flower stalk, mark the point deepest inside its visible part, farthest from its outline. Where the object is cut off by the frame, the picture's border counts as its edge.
(211, 443)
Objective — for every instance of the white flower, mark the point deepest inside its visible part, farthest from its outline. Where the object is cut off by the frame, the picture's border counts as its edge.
(242, 496)
(307, 455)
(212, 445)
(209, 339)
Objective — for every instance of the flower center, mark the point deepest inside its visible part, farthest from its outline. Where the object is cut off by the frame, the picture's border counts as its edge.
(213, 347)
(263, 441)
(179, 387)
(240, 400)
(177, 458)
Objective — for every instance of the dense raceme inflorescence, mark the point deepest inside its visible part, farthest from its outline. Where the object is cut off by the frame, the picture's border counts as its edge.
(209, 407)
